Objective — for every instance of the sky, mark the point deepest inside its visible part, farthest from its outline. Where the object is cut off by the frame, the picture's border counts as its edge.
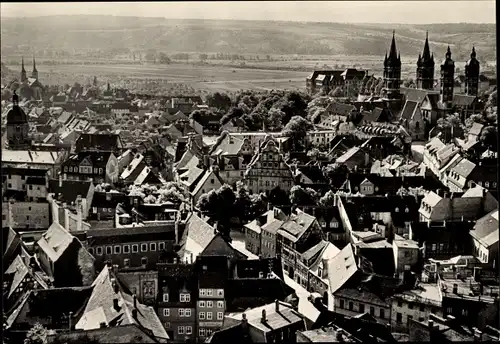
(390, 12)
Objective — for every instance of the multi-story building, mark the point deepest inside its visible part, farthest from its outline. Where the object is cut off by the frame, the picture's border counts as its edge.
(268, 170)
(425, 68)
(392, 72)
(447, 80)
(101, 167)
(472, 75)
(260, 234)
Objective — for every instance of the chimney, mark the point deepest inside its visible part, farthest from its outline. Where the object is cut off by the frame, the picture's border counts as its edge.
(135, 301)
(115, 304)
(244, 321)
(455, 288)
(70, 320)
(102, 325)
(108, 264)
(176, 229)
(263, 319)
(79, 212)
(134, 313)
(450, 319)
(66, 218)
(60, 180)
(478, 335)
(191, 258)
(339, 335)
(276, 212)
(430, 324)
(277, 305)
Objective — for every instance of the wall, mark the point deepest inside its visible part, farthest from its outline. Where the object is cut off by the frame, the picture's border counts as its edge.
(268, 245)
(36, 192)
(143, 283)
(112, 169)
(404, 256)
(26, 215)
(368, 307)
(418, 311)
(252, 241)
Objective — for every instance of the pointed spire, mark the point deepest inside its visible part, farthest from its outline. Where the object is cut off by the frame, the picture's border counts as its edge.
(22, 65)
(426, 55)
(393, 52)
(34, 64)
(448, 52)
(15, 99)
(473, 53)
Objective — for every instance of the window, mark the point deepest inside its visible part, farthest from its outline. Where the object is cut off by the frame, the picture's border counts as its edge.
(400, 304)
(220, 315)
(410, 305)
(220, 304)
(185, 297)
(181, 312)
(187, 312)
(126, 262)
(210, 304)
(202, 332)
(209, 315)
(99, 250)
(202, 304)
(135, 248)
(161, 246)
(409, 317)
(351, 306)
(189, 330)
(203, 292)
(397, 210)
(118, 249)
(144, 247)
(212, 181)
(109, 250)
(382, 314)
(341, 304)
(165, 297)
(465, 312)
(449, 310)
(399, 318)
(180, 329)
(100, 170)
(126, 249)
(144, 261)
(220, 292)
(166, 312)
(202, 315)
(210, 292)
(152, 247)
(372, 311)
(361, 308)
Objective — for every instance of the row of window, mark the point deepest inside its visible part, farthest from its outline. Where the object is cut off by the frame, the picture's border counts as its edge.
(210, 292)
(210, 304)
(208, 315)
(205, 332)
(361, 308)
(181, 312)
(185, 330)
(84, 169)
(410, 306)
(118, 249)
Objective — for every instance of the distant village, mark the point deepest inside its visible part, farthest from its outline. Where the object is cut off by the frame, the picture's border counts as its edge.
(360, 210)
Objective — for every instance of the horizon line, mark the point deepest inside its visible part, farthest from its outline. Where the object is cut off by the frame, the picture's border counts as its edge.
(248, 20)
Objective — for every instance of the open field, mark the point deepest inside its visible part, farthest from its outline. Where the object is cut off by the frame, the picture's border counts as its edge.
(210, 78)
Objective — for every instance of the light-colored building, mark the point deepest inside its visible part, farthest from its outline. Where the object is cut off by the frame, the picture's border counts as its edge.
(485, 239)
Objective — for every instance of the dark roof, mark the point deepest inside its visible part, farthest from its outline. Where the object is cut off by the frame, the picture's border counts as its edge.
(242, 294)
(24, 171)
(102, 142)
(463, 100)
(35, 180)
(108, 199)
(415, 94)
(340, 109)
(69, 190)
(98, 159)
(409, 109)
(132, 234)
(46, 304)
(464, 168)
(10, 242)
(16, 115)
(124, 334)
(486, 229)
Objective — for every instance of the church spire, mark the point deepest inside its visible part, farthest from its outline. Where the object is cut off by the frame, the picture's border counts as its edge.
(34, 65)
(426, 55)
(448, 53)
(393, 52)
(23, 71)
(473, 53)
(34, 73)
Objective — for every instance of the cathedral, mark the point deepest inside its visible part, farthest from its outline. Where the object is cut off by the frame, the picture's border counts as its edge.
(30, 88)
(425, 77)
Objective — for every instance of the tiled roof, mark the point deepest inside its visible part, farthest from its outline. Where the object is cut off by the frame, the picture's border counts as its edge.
(313, 251)
(98, 159)
(464, 168)
(191, 176)
(29, 157)
(296, 226)
(130, 170)
(476, 129)
(100, 307)
(432, 198)
(409, 109)
(11, 241)
(486, 229)
(55, 241)
(102, 142)
(285, 316)
(463, 100)
(204, 179)
(340, 109)
(341, 268)
(131, 333)
(347, 155)
(196, 237)
(70, 189)
(48, 303)
(227, 145)
(414, 94)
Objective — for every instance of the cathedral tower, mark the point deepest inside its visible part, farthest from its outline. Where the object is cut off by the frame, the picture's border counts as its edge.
(23, 71)
(17, 127)
(472, 74)
(392, 72)
(425, 68)
(447, 80)
(34, 74)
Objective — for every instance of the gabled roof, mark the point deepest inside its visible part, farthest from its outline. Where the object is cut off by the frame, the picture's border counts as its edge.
(409, 109)
(463, 100)
(55, 241)
(70, 189)
(98, 159)
(341, 268)
(147, 175)
(191, 176)
(476, 129)
(204, 179)
(340, 109)
(196, 237)
(10, 243)
(296, 225)
(19, 269)
(464, 168)
(486, 229)
(130, 171)
(100, 308)
(101, 142)
(347, 155)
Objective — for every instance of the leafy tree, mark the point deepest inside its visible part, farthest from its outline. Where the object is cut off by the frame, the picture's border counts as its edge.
(300, 196)
(296, 129)
(313, 153)
(234, 112)
(6, 94)
(327, 200)
(163, 58)
(492, 99)
(335, 170)
(489, 137)
(217, 204)
(172, 192)
(274, 119)
(279, 197)
(36, 335)
(219, 100)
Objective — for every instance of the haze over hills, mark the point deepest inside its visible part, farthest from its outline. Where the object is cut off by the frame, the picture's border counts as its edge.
(89, 32)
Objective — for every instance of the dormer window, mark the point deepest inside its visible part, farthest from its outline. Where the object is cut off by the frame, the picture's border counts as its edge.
(407, 210)
(397, 210)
